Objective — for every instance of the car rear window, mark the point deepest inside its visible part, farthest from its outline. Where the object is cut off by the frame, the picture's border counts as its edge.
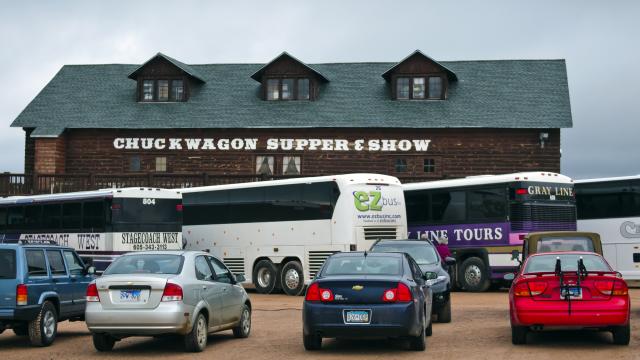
(146, 264)
(570, 243)
(423, 253)
(7, 264)
(569, 262)
(363, 265)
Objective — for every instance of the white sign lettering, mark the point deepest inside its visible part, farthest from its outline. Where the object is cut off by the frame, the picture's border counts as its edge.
(383, 145)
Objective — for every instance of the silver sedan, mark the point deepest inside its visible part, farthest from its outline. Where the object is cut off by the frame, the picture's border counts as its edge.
(190, 293)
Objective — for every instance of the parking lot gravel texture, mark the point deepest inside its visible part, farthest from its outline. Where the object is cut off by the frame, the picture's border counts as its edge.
(479, 330)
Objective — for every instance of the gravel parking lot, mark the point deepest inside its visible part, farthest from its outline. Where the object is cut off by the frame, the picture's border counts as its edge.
(480, 330)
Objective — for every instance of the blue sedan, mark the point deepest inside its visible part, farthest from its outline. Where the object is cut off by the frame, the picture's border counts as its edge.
(368, 295)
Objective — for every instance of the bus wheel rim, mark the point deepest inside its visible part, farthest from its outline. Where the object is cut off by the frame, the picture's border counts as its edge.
(264, 277)
(473, 275)
(292, 279)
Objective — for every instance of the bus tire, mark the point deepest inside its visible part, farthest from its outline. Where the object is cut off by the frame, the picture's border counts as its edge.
(292, 278)
(473, 275)
(265, 275)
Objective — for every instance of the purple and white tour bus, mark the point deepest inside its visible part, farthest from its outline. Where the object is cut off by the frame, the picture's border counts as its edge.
(485, 217)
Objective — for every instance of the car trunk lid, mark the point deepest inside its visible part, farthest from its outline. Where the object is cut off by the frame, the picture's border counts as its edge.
(131, 291)
(363, 290)
(593, 287)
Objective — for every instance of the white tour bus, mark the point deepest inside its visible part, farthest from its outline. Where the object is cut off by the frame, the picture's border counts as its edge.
(280, 232)
(99, 224)
(611, 207)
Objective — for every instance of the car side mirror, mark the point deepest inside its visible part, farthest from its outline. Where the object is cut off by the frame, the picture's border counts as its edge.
(449, 261)
(430, 275)
(509, 276)
(240, 278)
(90, 270)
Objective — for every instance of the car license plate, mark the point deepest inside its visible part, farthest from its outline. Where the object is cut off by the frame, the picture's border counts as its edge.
(573, 292)
(357, 316)
(130, 296)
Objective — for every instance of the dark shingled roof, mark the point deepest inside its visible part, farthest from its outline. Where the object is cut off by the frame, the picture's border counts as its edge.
(488, 94)
(180, 65)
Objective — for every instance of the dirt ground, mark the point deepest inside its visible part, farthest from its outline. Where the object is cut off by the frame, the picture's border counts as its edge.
(479, 330)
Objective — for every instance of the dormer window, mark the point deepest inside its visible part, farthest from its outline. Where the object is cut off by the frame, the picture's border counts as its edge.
(418, 87)
(164, 79)
(287, 78)
(162, 90)
(288, 89)
(419, 77)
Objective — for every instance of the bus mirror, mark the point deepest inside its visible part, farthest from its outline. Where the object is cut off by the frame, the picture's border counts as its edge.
(515, 255)
(449, 261)
(509, 276)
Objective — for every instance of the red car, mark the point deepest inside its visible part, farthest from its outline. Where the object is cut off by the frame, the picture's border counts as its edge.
(568, 290)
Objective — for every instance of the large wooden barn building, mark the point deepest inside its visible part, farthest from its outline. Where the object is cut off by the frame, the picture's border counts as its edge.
(417, 119)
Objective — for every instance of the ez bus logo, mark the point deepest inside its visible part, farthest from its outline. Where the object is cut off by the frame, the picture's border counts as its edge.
(365, 201)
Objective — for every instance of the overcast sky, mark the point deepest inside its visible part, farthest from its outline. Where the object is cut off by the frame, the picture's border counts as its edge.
(598, 39)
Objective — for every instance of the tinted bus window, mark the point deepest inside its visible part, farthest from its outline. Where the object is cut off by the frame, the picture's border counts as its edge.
(448, 207)
(71, 215)
(93, 215)
(608, 200)
(15, 219)
(51, 215)
(418, 204)
(246, 205)
(3, 218)
(33, 217)
(146, 211)
(7, 264)
(487, 204)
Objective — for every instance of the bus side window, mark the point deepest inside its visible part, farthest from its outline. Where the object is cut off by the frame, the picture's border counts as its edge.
(15, 219)
(418, 204)
(3, 219)
(51, 215)
(487, 204)
(449, 206)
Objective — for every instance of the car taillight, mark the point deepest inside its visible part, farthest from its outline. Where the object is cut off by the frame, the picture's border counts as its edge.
(21, 294)
(315, 293)
(612, 287)
(92, 293)
(398, 294)
(530, 288)
(521, 289)
(179, 208)
(172, 292)
(537, 287)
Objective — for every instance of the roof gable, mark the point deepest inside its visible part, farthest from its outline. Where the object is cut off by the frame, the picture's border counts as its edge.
(257, 76)
(450, 74)
(180, 65)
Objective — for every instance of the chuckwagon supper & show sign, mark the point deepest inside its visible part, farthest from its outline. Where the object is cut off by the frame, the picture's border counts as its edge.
(419, 145)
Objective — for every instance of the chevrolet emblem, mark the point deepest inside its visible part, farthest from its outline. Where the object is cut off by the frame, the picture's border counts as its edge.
(357, 287)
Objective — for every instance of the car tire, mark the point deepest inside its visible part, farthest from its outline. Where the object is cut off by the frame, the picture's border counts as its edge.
(429, 330)
(621, 334)
(103, 342)
(196, 339)
(473, 275)
(312, 342)
(265, 276)
(419, 343)
(21, 330)
(292, 278)
(444, 314)
(519, 335)
(244, 327)
(43, 329)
